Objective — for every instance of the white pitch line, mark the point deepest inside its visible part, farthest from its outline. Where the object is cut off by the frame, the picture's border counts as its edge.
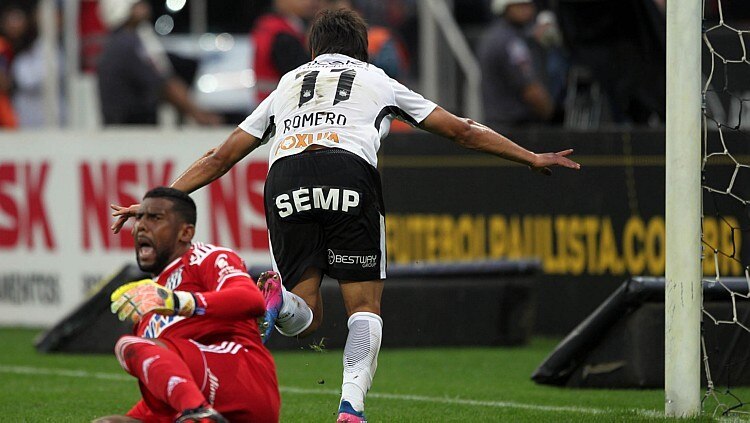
(25, 370)
(449, 400)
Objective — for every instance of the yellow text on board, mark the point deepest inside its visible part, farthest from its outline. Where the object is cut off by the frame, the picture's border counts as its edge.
(566, 244)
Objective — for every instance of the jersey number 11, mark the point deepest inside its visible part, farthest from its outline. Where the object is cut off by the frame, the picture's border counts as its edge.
(343, 88)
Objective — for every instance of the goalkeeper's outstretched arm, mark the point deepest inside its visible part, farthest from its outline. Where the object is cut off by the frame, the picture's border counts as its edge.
(474, 135)
(240, 299)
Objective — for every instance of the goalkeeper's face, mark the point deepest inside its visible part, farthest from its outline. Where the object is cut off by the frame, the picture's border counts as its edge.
(160, 235)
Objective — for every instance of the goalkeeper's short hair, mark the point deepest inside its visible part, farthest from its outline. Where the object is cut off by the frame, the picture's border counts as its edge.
(182, 204)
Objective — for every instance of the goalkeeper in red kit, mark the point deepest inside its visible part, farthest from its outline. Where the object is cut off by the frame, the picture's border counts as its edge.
(196, 348)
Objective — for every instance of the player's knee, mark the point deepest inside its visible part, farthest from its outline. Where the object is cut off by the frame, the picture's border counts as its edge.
(124, 349)
(362, 296)
(122, 344)
(364, 306)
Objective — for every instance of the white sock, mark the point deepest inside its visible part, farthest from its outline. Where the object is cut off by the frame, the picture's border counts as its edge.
(361, 357)
(295, 316)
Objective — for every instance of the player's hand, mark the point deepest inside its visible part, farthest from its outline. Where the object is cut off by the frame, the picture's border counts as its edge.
(136, 299)
(122, 214)
(544, 161)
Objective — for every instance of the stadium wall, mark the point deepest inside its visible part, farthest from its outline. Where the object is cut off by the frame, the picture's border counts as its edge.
(591, 229)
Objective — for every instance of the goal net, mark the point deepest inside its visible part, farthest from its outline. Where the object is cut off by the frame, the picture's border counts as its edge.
(726, 196)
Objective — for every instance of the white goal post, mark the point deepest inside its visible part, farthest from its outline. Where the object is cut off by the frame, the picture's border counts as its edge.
(683, 292)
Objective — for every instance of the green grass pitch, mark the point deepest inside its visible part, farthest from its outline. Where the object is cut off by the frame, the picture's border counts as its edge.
(412, 385)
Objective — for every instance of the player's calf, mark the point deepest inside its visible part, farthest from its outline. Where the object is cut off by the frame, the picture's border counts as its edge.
(360, 362)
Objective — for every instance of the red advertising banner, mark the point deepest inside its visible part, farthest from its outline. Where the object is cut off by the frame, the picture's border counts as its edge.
(55, 192)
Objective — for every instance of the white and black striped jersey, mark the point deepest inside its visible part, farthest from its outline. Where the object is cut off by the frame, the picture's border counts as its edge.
(334, 101)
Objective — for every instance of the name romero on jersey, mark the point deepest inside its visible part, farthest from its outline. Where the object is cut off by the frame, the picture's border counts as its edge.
(314, 119)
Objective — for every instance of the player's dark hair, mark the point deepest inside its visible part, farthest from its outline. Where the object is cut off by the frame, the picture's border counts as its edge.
(182, 204)
(340, 31)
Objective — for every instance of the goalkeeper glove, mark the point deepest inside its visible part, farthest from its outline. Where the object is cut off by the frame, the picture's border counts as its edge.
(136, 299)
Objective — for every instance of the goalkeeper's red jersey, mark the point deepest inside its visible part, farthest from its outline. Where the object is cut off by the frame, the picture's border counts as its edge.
(228, 302)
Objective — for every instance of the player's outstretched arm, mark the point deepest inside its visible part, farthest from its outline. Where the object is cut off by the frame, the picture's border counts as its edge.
(216, 162)
(474, 135)
(209, 167)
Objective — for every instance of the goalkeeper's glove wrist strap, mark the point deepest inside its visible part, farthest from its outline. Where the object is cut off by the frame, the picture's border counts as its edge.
(184, 303)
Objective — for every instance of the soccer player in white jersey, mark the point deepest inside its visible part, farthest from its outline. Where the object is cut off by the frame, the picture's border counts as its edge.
(324, 206)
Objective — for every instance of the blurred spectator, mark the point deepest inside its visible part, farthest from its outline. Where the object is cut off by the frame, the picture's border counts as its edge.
(134, 72)
(29, 71)
(93, 34)
(619, 47)
(661, 5)
(280, 45)
(399, 18)
(15, 27)
(14, 33)
(554, 58)
(388, 13)
(384, 47)
(513, 92)
(387, 51)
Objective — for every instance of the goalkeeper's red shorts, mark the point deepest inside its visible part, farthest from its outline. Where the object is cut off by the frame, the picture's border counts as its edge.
(239, 383)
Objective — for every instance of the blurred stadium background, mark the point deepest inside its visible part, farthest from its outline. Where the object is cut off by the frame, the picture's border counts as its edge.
(514, 260)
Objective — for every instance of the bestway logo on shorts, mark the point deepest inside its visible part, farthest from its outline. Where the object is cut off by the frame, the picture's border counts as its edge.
(350, 259)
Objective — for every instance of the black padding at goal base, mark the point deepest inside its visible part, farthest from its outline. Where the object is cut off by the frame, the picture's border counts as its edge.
(91, 328)
(621, 344)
